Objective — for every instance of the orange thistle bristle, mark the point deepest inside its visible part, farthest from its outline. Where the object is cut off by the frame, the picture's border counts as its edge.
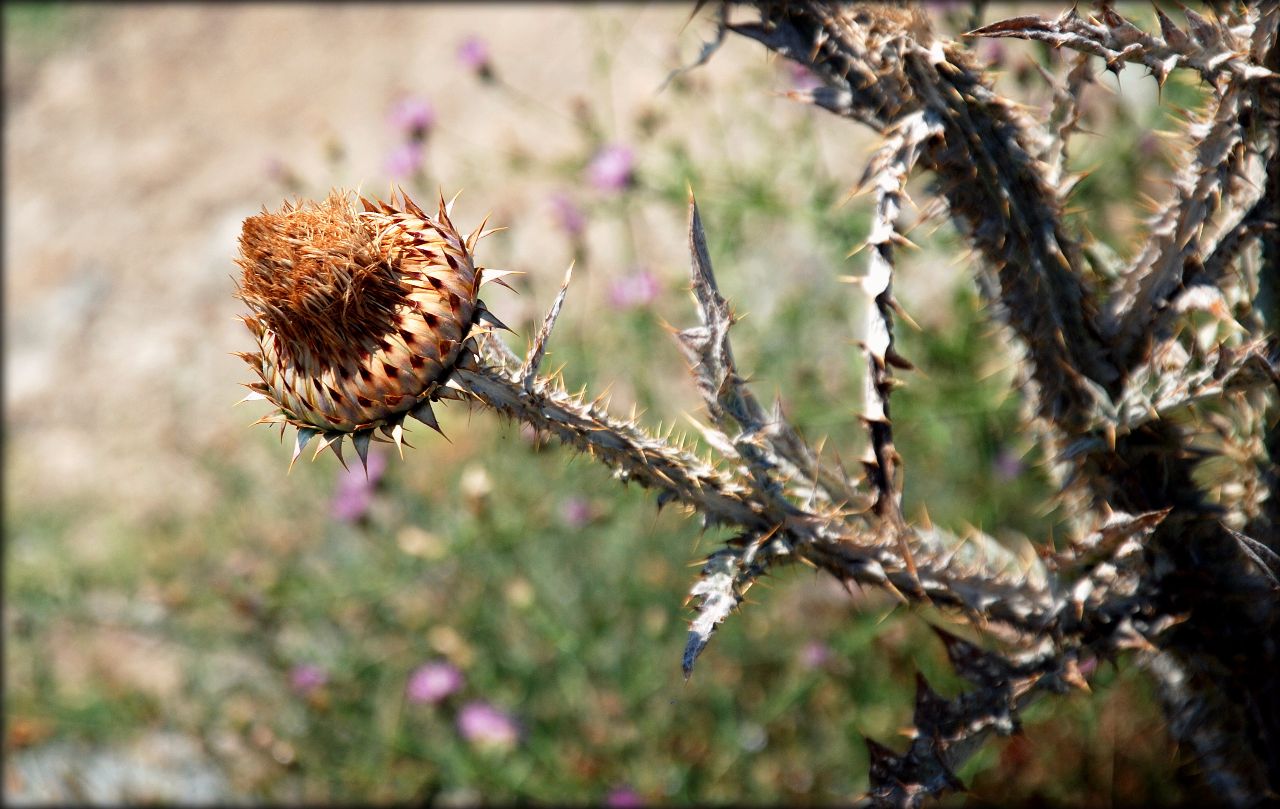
(316, 277)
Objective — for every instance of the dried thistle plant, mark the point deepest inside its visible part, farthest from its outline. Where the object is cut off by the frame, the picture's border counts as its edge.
(362, 317)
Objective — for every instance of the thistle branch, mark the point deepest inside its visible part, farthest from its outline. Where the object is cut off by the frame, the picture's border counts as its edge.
(888, 170)
(1064, 119)
(1209, 47)
(1172, 252)
(740, 426)
(633, 453)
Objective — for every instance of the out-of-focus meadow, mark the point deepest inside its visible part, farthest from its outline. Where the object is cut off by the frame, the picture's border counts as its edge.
(489, 619)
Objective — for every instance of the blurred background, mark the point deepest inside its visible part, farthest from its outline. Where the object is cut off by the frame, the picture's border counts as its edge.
(488, 619)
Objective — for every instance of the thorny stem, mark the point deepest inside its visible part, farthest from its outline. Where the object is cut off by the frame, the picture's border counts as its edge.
(622, 445)
(1172, 252)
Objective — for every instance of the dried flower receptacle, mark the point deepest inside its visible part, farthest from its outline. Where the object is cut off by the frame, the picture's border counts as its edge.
(360, 313)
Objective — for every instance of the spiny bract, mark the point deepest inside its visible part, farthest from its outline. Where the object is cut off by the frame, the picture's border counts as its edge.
(360, 314)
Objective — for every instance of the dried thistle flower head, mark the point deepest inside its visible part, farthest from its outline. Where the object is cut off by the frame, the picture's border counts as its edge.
(360, 312)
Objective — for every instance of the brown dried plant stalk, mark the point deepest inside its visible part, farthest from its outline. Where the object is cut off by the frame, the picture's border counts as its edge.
(365, 314)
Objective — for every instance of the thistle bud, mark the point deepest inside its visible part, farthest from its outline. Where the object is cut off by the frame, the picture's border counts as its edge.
(360, 312)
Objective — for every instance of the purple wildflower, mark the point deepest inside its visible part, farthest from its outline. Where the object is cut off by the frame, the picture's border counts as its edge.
(612, 169)
(354, 493)
(473, 54)
(1007, 465)
(1088, 666)
(413, 117)
(278, 171)
(640, 288)
(568, 215)
(306, 678)
(486, 726)
(814, 655)
(992, 50)
(433, 682)
(529, 435)
(802, 78)
(405, 160)
(624, 798)
(575, 512)
(1148, 145)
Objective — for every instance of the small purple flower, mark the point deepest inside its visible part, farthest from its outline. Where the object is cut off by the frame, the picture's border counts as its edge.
(575, 512)
(473, 54)
(568, 215)
(1088, 666)
(612, 169)
(405, 160)
(623, 798)
(1148, 145)
(306, 678)
(351, 504)
(354, 493)
(992, 50)
(1007, 465)
(802, 78)
(529, 435)
(275, 168)
(814, 655)
(486, 726)
(278, 171)
(640, 288)
(413, 117)
(433, 682)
